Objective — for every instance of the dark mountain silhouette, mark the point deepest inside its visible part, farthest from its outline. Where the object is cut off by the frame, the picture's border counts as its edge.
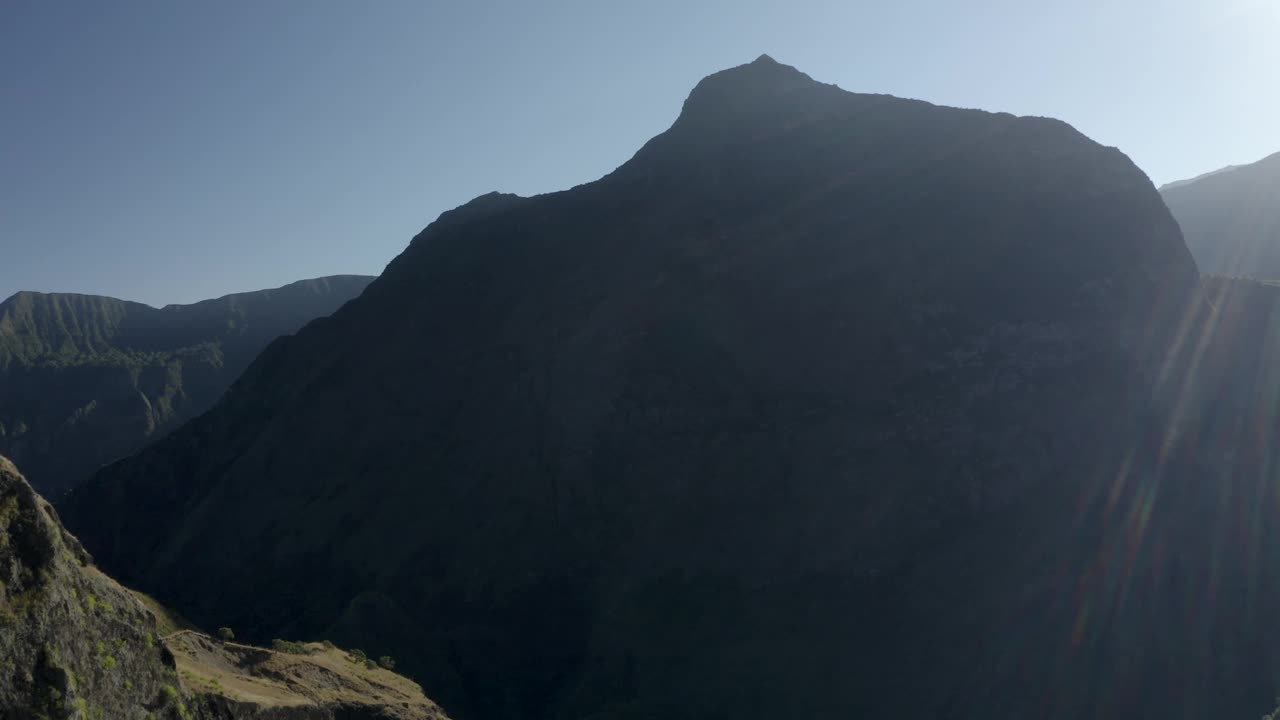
(1231, 219)
(822, 405)
(85, 380)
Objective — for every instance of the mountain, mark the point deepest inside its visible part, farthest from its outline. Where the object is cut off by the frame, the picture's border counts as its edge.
(74, 644)
(822, 405)
(85, 380)
(1202, 176)
(1231, 219)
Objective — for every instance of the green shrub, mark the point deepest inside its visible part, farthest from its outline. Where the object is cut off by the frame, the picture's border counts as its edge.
(108, 662)
(358, 656)
(387, 662)
(288, 646)
(225, 634)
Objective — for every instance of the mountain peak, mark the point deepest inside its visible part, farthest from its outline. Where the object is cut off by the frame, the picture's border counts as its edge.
(751, 360)
(761, 85)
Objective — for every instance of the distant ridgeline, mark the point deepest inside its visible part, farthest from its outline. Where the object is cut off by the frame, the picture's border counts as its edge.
(85, 379)
(1231, 219)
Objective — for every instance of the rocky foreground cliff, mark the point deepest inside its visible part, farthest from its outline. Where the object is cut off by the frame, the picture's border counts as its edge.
(75, 644)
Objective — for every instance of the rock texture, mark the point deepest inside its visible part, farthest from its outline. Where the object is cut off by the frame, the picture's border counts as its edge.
(1231, 219)
(74, 644)
(85, 380)
(822, 405)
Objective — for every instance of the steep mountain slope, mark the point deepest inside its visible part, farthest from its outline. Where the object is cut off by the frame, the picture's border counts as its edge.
(74, 644)
(85, 380)
(822, 405)
(1231, 219)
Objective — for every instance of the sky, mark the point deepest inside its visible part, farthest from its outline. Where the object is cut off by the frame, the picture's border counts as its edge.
(167, 152)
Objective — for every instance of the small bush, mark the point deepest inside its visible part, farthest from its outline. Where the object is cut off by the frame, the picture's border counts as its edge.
(108, 662)
(288, 646)
(386, 662)
(329, 645)
(358, 657)
(225, 634)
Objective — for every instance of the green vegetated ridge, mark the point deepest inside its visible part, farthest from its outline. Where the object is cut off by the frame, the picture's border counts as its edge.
(76, 645)
(822, 405)
(85, 379)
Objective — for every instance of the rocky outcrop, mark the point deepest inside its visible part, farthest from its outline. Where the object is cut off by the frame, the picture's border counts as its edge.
(85, 380)
(822, 405)
(75, 644)
(1231, 219)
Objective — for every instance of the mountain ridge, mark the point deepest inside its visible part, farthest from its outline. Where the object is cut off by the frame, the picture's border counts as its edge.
(1231, 219)
(777, 419)
(85, 379)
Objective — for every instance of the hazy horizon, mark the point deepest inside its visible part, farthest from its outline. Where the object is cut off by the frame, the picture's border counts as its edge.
(172, 153)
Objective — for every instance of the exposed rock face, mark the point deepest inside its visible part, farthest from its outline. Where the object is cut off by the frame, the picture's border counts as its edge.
(74, 644)
(1231, 219)
(814, 408)
(85, 380)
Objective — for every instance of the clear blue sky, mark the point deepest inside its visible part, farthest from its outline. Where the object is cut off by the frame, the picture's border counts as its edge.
(172, 151)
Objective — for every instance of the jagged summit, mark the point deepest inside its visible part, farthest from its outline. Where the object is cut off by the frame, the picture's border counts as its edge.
(745, 88)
